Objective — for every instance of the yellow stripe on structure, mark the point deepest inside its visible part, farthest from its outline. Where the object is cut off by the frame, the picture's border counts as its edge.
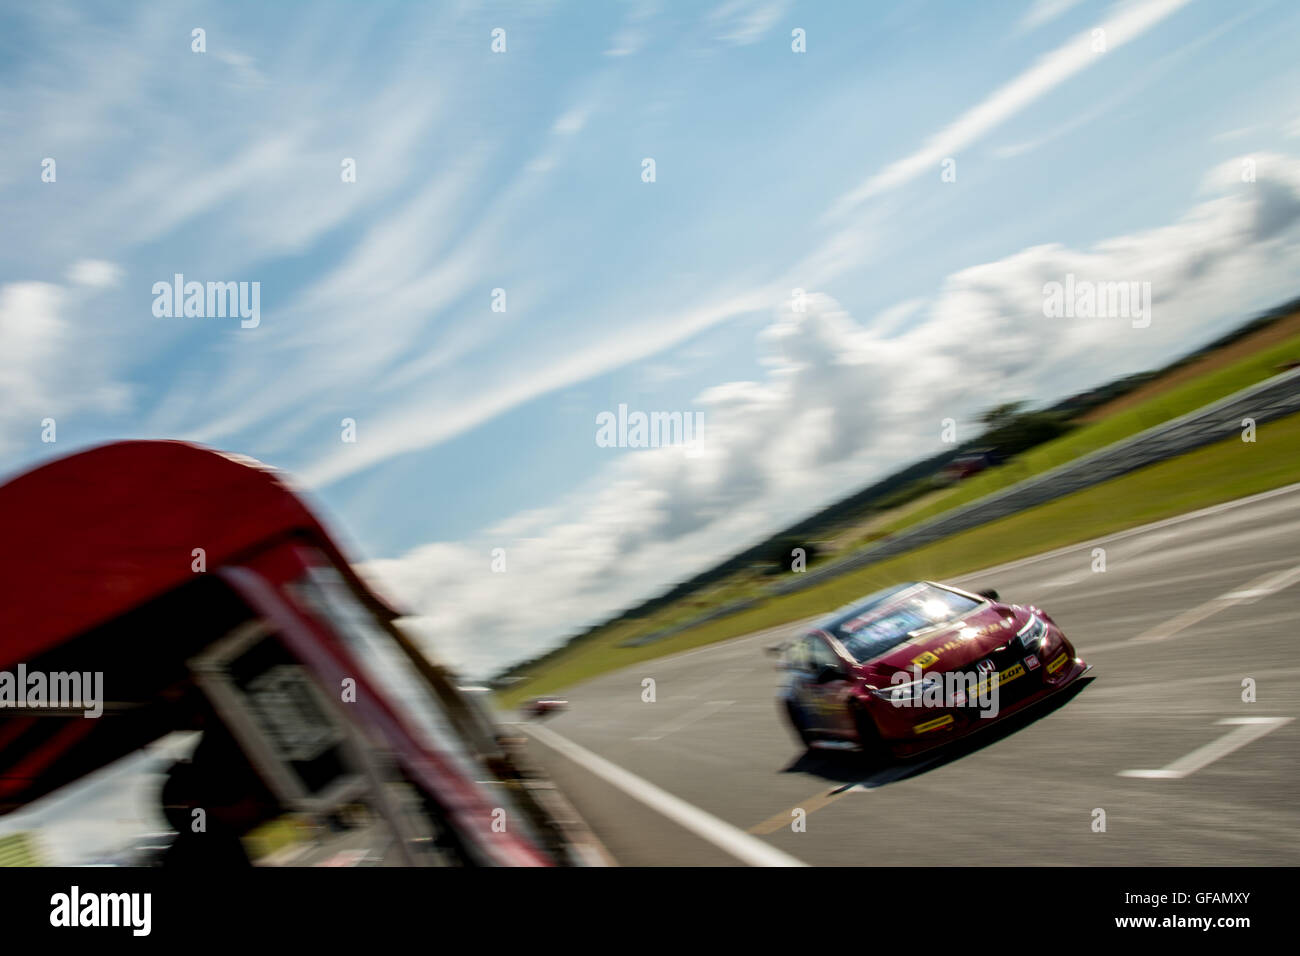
(19, 849)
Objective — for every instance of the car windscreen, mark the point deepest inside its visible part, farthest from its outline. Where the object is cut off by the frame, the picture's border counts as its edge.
(884, 621)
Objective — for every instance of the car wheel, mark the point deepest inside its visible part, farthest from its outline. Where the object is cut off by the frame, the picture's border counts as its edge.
(792, 712)
(874, 750)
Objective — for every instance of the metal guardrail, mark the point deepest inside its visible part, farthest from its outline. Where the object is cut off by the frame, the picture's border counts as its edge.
(722, 610)
(1271, 399)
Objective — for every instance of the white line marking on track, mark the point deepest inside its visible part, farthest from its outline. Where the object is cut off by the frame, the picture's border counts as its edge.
(1118, 560)
(1248, 729)
(746, 848)
(1271, 585)
(1249, 594)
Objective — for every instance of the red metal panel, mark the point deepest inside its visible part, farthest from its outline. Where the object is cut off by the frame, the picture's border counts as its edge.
(88, 537)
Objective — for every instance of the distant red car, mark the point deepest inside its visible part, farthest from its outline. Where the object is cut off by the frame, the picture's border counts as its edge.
(544, 706)
(970, 464)
(919, 665)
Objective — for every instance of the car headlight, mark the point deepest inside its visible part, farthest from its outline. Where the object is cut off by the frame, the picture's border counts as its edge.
(1032, 634)
(900, 694)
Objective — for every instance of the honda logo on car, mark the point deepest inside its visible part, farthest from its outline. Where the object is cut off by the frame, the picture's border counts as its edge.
(914, 688)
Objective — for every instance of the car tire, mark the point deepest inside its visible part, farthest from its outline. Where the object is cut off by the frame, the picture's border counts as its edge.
(874, 749)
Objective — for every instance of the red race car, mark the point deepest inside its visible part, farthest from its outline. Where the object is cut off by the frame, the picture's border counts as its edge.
(540, 707)
(919, 665)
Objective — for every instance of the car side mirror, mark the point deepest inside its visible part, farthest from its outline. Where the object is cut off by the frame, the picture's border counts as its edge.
(829, 673)
(989, 593)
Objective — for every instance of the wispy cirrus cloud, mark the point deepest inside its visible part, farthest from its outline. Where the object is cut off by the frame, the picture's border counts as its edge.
(1042, 12)
(743, 22)
(1051, 70)
(634, 32)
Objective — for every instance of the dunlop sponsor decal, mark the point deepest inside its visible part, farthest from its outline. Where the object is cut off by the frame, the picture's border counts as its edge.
(1057, 664)
(1010, 674)
(935, 724)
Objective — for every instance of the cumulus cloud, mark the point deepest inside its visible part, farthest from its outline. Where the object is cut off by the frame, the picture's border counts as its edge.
(841, 403)
(47, 372)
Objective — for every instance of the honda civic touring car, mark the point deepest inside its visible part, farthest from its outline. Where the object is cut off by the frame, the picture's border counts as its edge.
(919, 665)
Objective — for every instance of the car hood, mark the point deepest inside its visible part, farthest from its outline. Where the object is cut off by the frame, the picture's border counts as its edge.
(957, 645)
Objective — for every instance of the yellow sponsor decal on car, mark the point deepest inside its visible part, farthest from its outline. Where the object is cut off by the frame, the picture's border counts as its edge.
(997, 680)
(935, 724)
(925, 660)
(1057, 664)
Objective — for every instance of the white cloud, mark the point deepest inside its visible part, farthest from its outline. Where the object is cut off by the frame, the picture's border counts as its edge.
(48, 371)
(1049, 72)
(244, 71)
(842, 403)
(625, 43)
(1074, 123)
(437, 417)
(264, 153)
(897, 317)
(633, 35)
(1135, 83)
(95, 273)
(572, 121)
(742, 22)
(1041, 12)
(1228, 136)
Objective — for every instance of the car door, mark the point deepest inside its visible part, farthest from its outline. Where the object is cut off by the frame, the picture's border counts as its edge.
(829, 686)
(802, 681)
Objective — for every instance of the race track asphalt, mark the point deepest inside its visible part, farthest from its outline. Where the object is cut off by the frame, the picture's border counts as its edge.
(1186, 610)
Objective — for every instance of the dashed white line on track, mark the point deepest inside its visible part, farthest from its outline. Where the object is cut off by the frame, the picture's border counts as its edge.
(1248, 729)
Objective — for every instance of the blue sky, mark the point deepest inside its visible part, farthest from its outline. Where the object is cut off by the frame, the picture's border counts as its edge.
(521, 170)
